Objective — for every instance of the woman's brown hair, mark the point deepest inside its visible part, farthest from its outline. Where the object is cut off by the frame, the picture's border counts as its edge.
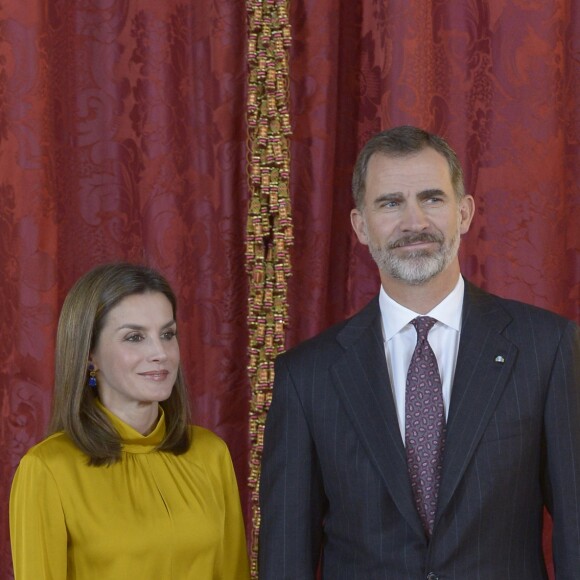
(81, 320)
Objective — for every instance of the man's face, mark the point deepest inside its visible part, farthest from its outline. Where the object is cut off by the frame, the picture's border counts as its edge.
(411, 218)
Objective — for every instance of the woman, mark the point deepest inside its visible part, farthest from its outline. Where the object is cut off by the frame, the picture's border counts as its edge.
(124, 487)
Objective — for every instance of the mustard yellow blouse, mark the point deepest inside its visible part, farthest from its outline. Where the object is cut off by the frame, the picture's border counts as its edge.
(151, 516)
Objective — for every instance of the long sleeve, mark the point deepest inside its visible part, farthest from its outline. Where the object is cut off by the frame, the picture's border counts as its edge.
(291, 495)
(562, 433)
(37, 525)
(234, 557)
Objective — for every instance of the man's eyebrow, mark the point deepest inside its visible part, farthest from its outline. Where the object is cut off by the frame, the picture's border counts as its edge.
(395, 196)
(430, 193)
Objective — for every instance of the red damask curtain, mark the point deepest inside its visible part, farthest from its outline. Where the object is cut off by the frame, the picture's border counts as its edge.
(500, 80)
(123, 136)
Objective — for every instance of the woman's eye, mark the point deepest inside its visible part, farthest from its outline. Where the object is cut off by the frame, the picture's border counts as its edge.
(169, 335)
(134, 338)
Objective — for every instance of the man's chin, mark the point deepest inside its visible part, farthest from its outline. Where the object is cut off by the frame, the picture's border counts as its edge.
(416, 270)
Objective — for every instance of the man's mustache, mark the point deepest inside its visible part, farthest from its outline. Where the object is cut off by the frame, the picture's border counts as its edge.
(416, 239)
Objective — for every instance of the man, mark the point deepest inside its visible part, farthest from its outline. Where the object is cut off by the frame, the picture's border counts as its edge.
(423, 437)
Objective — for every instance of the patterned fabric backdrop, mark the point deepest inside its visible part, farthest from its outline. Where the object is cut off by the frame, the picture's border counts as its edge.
(123, 136)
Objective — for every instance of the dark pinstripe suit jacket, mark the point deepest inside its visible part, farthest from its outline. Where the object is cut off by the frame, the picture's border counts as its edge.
(334, 476)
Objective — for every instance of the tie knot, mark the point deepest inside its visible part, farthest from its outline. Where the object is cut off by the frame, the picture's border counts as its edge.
(423, 325)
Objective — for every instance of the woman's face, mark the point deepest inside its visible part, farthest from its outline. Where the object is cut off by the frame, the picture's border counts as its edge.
(137, 355)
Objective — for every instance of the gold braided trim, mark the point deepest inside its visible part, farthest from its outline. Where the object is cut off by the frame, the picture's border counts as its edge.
(269, 228)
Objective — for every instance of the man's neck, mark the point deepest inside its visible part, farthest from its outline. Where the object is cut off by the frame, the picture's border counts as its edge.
(422, 298)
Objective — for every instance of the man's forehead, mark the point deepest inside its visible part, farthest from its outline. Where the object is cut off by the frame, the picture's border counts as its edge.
(426, 169)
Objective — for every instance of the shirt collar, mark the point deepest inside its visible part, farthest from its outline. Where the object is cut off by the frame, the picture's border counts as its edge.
(395, 316)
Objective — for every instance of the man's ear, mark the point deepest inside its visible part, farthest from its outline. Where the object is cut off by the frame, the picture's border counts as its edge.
(466, 212)
(359, 226)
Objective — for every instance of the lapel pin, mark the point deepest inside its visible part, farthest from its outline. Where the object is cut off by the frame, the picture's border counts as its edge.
(499, 359)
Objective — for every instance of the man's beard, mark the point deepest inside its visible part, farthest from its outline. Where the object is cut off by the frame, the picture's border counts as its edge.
(416, 267)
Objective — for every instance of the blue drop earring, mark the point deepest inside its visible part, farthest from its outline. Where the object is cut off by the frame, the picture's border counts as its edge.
(92, 377)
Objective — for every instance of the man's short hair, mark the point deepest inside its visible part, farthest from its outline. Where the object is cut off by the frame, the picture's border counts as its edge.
(400, 142)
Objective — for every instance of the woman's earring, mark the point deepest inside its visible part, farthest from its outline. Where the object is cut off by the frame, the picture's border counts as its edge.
(92, 377)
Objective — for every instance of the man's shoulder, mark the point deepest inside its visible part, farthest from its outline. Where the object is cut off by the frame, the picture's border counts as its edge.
(336, 338)
(519, 312)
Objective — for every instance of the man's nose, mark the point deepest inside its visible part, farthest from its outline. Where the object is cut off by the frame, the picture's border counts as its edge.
(414, 218)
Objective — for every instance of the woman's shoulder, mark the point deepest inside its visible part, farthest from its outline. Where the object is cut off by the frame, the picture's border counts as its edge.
(206, 438)
(56, 448)
(207, 445)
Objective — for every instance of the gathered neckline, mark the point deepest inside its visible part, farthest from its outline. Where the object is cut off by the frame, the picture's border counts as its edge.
(132, 440)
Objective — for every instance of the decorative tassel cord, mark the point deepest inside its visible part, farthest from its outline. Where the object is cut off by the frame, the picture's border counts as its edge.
(269, 227)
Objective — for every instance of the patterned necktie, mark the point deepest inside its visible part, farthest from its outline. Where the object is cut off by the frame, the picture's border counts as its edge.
(424, 424)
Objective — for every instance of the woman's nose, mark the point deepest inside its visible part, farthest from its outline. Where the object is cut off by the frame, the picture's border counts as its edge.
(158, 351)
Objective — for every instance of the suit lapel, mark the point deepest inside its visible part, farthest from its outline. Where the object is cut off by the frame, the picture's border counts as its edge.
(484, 364)
(362, 382)
(361, 378)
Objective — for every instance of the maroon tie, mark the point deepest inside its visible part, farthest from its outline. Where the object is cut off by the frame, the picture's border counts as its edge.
(424, 424)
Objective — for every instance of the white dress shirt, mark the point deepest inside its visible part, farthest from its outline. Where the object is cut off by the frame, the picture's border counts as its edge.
(401, 338)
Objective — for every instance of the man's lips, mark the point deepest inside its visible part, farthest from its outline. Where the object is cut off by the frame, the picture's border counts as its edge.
(416, 245)
(416, 242)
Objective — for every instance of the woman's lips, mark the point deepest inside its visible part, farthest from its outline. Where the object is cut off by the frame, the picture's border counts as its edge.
(155, 375)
